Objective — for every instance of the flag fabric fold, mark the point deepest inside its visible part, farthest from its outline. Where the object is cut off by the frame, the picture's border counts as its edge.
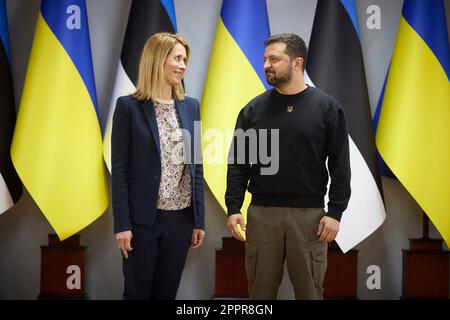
(57, 146)
(335, 65)
(10, 185)
(145, 19)
(413, 135)
(384, 169)
(235, 76)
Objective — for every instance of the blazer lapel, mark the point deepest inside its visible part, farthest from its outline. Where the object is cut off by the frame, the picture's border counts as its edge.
(150, 116)
(181, 110)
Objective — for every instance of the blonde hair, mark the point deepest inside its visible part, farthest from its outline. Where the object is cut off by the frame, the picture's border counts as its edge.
(151, 66)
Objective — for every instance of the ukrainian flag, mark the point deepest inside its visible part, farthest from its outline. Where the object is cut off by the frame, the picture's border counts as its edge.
(235, 76)
(413, 134)
(57, 145)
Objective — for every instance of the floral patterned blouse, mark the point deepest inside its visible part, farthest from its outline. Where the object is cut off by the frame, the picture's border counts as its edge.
(175, 186)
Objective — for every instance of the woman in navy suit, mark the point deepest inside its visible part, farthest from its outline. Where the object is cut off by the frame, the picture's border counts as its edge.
(157, 175)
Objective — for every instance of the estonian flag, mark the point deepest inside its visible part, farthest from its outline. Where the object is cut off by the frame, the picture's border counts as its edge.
(10, 185)
(146, 18)
(335, 65)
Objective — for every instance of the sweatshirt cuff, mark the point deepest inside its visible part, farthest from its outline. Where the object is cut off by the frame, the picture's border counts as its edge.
(334, 213)
(231, 211)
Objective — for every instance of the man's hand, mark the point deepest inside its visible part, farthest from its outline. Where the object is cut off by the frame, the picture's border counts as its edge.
(328, 229)
(197, 238)
(233, 222)
(124, 242)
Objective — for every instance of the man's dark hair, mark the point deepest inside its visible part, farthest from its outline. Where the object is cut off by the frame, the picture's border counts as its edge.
(295, 46)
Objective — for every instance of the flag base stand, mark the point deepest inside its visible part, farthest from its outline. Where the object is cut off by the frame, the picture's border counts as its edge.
(62, 269)
(341, 278)
(231, 279)
(425, 268)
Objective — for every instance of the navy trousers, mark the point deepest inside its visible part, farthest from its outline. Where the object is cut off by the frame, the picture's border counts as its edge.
(154, 267)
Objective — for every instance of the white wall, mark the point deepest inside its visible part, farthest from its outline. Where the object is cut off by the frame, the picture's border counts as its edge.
(23, 229)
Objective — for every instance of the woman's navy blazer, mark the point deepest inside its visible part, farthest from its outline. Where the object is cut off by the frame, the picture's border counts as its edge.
(136, 162)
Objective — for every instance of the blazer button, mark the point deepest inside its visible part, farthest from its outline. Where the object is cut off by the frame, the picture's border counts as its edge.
(156, 177)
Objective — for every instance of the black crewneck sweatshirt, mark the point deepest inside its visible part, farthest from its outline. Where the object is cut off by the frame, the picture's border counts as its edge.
(312, 129)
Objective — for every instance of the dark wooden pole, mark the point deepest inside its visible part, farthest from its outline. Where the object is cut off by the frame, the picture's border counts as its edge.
(425, 228)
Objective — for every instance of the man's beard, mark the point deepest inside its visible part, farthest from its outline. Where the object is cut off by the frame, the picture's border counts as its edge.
(285, 78)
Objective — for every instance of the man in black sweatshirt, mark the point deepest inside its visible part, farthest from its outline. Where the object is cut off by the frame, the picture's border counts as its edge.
(306, 132)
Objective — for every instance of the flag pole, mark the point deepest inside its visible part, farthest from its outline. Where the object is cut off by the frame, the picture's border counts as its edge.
(425, 226)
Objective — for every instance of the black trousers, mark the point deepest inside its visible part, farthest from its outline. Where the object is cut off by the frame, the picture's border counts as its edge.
(154, 267)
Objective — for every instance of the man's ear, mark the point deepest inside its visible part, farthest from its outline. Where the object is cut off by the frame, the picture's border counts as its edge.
(298, 63)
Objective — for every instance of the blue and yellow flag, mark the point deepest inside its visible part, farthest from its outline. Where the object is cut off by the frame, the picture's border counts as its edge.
(235, 76)
(413, 134)
(57, 144)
